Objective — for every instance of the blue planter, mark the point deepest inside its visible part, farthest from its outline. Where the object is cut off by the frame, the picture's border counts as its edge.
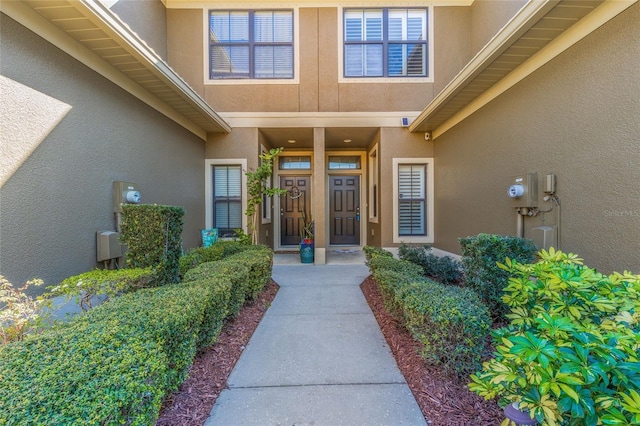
(306, 252)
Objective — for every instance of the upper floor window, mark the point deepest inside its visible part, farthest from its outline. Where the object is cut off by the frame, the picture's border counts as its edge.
(385, 42)
(251, 44)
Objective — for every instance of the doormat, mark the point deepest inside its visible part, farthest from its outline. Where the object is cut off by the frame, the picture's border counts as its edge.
(346, 251)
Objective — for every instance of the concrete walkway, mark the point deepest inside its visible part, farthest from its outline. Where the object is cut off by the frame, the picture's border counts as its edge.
(317, 358)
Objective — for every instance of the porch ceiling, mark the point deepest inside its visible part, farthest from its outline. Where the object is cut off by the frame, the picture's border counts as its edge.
(535, 26)
(360, 137)
(95, 27)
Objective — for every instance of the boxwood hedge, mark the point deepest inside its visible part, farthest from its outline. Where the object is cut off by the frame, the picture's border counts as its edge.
(451, 323)
(115, 363)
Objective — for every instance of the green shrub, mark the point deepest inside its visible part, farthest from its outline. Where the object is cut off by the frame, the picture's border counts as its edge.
(153, 236)
(570, 354)
(170, 316)
(114, 363)
(389, 263)
(236, 275)
(89, 374)
(451, 323)
(217, 251)
(445, 269)
(480, 257)
(392, 283)
(371, 252)
(259, 260)
(83, 288)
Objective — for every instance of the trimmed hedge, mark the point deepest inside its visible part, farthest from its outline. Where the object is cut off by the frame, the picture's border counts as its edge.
(451, 323)
(89, 374)
(115, 363)
(480, 257)
(445, 269)
(153, 236)
(217, 251)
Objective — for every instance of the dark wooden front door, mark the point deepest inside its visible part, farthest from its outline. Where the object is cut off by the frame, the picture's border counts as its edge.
(292, 205)
(344, 210)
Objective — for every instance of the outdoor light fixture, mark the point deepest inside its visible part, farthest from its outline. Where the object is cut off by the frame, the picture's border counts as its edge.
(291, 141)
(347, 141)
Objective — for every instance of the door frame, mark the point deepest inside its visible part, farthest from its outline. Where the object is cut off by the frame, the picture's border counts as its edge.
(364, 206)
(277, 173)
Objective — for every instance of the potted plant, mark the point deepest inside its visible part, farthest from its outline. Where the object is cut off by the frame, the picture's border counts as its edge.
(569, 355)
(306, 239)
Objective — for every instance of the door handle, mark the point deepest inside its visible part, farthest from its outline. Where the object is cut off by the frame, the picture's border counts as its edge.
(281, 212)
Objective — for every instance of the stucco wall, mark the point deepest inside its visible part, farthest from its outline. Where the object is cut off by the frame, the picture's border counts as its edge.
(54, 203)
(318, 88)
(488, 17)
(148, 18)
(396, 143)
(577, 117)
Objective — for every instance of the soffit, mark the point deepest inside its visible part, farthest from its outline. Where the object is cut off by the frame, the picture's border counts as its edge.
(96, 28)
(360, 137)
(534, 27)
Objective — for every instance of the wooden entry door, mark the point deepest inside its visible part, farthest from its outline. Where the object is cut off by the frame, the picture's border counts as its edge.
(344, 210)
(292, 205)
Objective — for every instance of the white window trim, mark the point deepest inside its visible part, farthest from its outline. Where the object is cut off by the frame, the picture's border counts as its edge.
(250, 81)
(429, 238)
(430, 47)
(374, 174)
(208, 188)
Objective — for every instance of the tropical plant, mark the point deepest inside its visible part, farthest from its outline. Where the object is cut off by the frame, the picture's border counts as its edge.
(20, 314)
(258, 188)
(306, 228)
(571, 353)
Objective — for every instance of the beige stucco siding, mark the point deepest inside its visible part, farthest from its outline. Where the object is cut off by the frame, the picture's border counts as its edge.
(148, 18)
(185, 46)
(488, 17)
(396, 143)
(54, 203)
(577, 117)
(317, 87)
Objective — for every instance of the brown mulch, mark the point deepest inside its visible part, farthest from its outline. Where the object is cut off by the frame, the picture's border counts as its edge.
(443, 400)
(192, 403)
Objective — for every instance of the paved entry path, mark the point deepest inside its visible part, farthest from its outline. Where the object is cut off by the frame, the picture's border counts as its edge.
(317, 358)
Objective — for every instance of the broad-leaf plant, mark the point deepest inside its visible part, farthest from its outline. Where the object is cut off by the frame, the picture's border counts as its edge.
(571, 352)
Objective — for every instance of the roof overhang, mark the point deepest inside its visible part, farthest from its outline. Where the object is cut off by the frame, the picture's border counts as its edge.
(88, 31)
(539, 32)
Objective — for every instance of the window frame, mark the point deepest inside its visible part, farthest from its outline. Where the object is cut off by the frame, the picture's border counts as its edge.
(342, 78)
(429, 198)
(374, 184)
(248, 80)
(208, 188)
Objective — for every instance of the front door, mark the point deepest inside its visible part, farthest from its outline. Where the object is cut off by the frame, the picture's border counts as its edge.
(293, 204)
(344, 210)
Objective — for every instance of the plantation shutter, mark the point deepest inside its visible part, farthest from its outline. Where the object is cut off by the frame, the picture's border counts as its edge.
(412, 199)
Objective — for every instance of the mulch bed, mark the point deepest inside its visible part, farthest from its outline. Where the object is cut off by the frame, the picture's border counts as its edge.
(443, 400)
(192, 403)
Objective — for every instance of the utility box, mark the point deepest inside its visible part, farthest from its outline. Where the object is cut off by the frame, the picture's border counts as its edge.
(545, 237)
(125, 192)
(108, 245)
(524, 190)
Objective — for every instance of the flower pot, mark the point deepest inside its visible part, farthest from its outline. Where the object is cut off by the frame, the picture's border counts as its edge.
(513, 413)
(306, 251)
